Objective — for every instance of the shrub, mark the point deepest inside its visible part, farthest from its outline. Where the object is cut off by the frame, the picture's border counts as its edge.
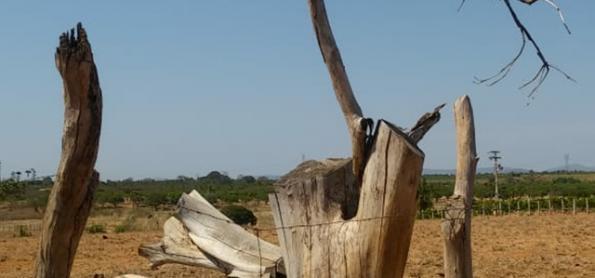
(126, 225)
(121, 228)
(239, 215)
(96, 229)
(23, 231)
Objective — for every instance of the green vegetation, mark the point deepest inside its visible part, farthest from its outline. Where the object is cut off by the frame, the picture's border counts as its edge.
(239, 215)
(96, 229)
(121, 228)
(220, 189)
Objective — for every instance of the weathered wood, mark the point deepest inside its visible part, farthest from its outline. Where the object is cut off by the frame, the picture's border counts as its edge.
(310, 202)
(200, 235)
(72, 194)
(456, 225)
(356, 123)
(175, 247)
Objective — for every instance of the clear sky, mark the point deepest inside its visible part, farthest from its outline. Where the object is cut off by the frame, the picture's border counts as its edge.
(239, 86)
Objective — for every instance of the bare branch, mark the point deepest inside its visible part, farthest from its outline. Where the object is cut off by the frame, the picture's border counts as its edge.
(425, 122)
(352, 112)
(551, 2)
(543, 71)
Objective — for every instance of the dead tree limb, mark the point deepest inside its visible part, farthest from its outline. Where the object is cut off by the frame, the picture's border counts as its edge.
(456, 225)
(356, 123)
(546, 66)
(70, 201)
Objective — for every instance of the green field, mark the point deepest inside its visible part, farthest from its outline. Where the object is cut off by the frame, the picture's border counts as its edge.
(220, 189)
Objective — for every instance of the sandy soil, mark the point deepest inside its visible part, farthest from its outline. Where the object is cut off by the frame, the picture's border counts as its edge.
(557, 245)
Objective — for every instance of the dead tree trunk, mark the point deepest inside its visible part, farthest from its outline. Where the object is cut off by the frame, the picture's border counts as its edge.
(456, 225)
(351, 218)
(70, 201)
(309, 208)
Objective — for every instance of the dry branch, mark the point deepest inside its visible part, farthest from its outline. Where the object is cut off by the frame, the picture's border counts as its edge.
(546, 66)
(356, 123)
(72, 194)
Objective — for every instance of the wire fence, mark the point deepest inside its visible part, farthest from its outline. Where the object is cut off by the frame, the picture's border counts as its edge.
(522, 205)
(20, 229)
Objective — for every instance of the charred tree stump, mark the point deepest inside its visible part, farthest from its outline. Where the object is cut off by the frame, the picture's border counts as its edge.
(456, 225)
(71, 198)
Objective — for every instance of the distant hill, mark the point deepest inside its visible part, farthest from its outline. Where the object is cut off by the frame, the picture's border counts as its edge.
(482, 170)
(572, 168)
(485, 170)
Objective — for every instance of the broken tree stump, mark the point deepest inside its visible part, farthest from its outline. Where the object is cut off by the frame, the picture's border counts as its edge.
(71, 197)
(311, 202)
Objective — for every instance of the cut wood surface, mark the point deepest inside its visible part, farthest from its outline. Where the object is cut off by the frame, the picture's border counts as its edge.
(72, 194)
(456, 225)
(200, 235)
(309, 205)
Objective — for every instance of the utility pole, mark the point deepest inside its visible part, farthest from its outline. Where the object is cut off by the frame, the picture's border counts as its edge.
(566, 164)
(494, 155)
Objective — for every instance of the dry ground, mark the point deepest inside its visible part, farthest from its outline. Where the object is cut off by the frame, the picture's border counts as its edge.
(559, 245)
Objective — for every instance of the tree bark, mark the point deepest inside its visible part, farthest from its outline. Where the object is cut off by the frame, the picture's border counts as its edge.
(309, 209)
(71, 198)
(456, 225)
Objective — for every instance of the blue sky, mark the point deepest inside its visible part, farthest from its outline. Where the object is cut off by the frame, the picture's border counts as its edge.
(239, 86)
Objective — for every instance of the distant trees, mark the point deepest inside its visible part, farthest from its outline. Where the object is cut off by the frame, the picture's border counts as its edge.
(216, 177)
(239, 215)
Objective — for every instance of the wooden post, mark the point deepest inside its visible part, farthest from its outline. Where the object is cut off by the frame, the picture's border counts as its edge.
(538, 206)
(529, 204)
(563, 207)
(500, 206)
(71, 198)
(518, 206)
(509, 204)
(549, 203)
(587, 205)
(456, 226)
(573, 205)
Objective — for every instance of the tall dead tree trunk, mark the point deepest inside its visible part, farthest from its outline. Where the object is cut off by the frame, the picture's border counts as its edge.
(71, 198)
(351, 218)
(456, 225)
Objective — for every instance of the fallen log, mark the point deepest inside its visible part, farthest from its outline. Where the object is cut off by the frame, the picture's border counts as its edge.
(200, 235)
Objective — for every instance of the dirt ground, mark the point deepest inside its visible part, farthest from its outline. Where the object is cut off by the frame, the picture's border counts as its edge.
(559, 245)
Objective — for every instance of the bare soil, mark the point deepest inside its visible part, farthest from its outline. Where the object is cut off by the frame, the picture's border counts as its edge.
(557, 245)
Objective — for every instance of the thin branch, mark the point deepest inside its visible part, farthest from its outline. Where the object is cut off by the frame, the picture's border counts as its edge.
(543, 71)
(551, 2)
(461, 5)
